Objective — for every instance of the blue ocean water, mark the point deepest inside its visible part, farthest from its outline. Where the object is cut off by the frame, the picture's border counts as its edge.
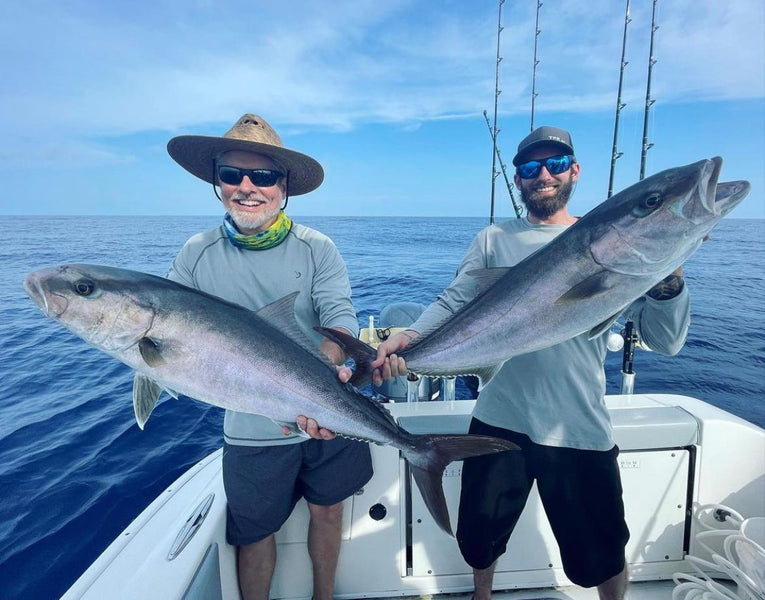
(74, 467)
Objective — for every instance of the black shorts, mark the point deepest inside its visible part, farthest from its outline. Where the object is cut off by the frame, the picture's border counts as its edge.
(581, 492)
(263, 483)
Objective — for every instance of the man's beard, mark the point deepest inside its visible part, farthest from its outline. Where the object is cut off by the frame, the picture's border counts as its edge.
(547, 206)
(247, 221)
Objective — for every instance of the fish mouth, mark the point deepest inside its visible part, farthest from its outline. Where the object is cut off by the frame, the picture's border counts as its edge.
(708, 198)
(729, 195)
(716, 199)
(50, 303)
(721, 197)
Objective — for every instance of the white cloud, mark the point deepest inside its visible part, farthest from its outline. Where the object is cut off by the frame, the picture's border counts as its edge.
(82, 71)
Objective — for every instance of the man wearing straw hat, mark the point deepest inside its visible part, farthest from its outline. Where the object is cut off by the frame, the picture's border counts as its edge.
(255, 257)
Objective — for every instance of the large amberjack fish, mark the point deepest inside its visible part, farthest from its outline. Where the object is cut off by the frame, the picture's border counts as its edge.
(580, 282)
(191, 343)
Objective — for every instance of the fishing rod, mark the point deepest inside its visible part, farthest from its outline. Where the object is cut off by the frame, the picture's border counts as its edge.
(630, 337)
(497, 92)
(534, 94)
(615, 154)
(648, 100)
(518, 209)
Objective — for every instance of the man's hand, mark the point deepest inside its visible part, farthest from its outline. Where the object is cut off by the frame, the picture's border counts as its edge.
(669, 287)
(388, 364)
(312, 428)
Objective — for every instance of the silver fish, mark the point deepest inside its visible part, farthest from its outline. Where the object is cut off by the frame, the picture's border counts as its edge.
(191, 343)
(580, 282)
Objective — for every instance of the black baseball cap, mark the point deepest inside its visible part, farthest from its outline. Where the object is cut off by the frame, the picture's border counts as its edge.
(544, 136)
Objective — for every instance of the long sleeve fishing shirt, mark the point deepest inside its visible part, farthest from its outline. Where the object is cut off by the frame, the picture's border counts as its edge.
(307, 261)
(554, 395)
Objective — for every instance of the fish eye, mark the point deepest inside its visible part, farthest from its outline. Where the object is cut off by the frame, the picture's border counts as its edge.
(653, 201)
(647, 205)
(84, 287)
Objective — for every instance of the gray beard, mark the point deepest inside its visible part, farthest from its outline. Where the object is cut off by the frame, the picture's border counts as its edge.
(544, 208)
(245, 221)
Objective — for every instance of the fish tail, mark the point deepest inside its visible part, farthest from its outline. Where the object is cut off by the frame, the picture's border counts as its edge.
(429, 455)
(363, 354)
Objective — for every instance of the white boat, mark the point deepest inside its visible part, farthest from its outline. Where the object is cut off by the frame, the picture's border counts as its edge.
(679, 456)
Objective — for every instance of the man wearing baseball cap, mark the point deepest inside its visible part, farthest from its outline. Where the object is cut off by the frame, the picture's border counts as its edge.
(257, 256)
(549, 402)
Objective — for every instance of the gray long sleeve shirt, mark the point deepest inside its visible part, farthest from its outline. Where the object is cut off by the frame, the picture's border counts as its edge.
(554, 395)
(307, 261)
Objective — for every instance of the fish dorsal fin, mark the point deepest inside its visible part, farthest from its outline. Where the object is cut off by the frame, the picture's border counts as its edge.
(587, 289)
(485, 278)
(281, 315)
(145, 395)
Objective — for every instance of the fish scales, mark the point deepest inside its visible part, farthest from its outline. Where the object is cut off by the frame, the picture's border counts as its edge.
(192, 343)
(579, 282)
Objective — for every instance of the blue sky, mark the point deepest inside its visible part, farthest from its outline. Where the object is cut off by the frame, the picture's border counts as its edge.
(388, 96)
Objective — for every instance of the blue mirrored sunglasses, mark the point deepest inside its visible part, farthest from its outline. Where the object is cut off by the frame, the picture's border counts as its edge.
(258, 177)
(555, 165)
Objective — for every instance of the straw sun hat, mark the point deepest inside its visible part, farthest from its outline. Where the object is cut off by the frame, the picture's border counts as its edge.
(197, 153)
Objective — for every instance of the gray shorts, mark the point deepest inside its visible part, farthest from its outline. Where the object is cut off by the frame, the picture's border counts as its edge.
(263, 483)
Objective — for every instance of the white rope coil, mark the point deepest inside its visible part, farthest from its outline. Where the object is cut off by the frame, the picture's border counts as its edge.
(738, 556)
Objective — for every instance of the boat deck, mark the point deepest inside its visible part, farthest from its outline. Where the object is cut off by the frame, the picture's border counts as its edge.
(675, 459)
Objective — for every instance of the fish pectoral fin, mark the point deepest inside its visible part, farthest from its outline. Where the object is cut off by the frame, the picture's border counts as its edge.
(591, 287)
(150, 352)
(293, 427)
(601, 328)
(145, 395)
(485, 278)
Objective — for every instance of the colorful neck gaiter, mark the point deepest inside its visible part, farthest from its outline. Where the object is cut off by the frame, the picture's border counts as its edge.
(273, 236)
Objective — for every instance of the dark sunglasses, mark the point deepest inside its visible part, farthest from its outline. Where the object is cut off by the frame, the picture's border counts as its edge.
(258, 177)
(555, 165)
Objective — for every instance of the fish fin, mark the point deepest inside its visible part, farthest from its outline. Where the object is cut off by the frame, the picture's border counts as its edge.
(363, 354)
(150, 352)
(591, 287)
(485, 278)
(145, 394)
(486, 375)
(293, 427)
(281, 311)
(281, 314)
(431, 488)
(602, 327)
(430, 456)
